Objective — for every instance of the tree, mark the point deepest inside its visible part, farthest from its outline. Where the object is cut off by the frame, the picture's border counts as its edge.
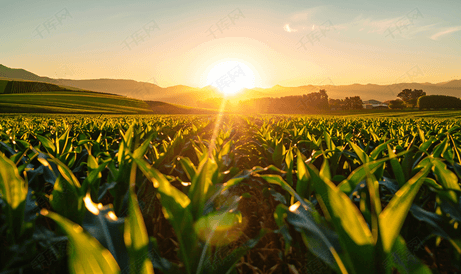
(353, 103)
(315, 101)
(410, 97)
(439, 102)
(396, 104)
(336, 104)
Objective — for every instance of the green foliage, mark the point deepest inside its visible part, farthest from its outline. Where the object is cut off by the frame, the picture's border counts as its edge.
(13, 191)
(135, 234)
(353, 103)
(438, 102)
(410, 97)
(396, 104)
(86, 255)
(351, 194)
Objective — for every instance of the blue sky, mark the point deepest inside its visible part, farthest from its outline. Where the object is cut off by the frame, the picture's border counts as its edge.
(284, 42)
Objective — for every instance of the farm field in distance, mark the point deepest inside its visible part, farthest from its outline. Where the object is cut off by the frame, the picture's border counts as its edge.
(369, 192)
(70, 102)
(453, 114)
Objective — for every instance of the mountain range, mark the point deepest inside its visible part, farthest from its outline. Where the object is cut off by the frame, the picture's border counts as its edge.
(188, 96)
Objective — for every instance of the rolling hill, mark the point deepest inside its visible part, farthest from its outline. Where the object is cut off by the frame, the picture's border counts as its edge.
(70, 102)
(189, 96)
(38, 97)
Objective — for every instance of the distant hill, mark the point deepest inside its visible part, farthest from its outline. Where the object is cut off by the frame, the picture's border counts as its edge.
(11, 87)
(6, 72)
(189, 96)
(38, 97)
(70, 102)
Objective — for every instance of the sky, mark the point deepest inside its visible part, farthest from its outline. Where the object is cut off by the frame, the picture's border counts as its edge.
(288, 43)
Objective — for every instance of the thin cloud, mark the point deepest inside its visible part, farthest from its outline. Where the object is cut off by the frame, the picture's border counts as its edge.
(288, 29)
(445, 32)
(380, 26)
(302, 20)
(375, 25)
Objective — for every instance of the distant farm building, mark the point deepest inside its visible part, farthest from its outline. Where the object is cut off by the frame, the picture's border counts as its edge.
(374, 104)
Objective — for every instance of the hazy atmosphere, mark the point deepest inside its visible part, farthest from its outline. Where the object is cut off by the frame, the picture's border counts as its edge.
(290, 43)
(238, 137)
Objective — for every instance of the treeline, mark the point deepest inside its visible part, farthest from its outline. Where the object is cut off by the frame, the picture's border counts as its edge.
(438, 102)
(418, 98)
(316, 102)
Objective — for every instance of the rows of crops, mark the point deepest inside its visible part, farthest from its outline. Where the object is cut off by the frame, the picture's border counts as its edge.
(70, 102)
(261, 194)
(13, 87)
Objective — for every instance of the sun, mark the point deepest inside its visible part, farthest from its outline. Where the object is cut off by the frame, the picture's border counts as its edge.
(230, 77)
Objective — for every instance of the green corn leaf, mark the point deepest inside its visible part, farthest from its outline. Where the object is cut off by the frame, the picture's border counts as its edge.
(421, 134)
(92, 181)
(360, 153)
(235, 180)
(424, 146)
(375, 153)
(67, 201)
(396, 167)
(199, 187)
(341, 209)
(102, 223)
(68, 175)
(225, 149)
(277, 156)
(328, 141)
(13, 190)
(175, 207)
(444, 176)
(135, 234)
(317, 236)
(289, 162)
(121, 152)
(86, 254)
(354, 234)
(440, 148)
(128, 136)
(188, 167)
(303, 183)
(47, 144)
(141, 150)
(277, 180)
(403, 260)
(62, 143)
(358, 175)
(393, 216)
(325, 170)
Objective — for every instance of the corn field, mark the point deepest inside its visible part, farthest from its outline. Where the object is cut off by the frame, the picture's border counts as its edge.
(231, 194)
